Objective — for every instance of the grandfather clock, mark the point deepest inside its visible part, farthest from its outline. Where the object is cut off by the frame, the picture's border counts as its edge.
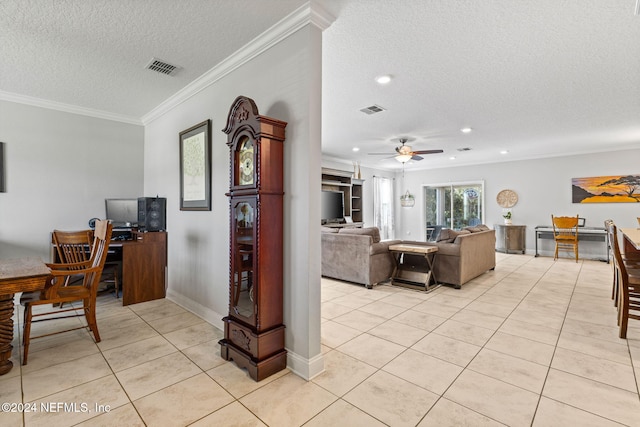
(253, 330)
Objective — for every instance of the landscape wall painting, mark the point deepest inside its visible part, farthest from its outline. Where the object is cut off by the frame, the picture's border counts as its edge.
(606, 189)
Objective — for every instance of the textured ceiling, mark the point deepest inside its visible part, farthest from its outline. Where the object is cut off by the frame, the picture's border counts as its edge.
(537, 78)
(93, 54)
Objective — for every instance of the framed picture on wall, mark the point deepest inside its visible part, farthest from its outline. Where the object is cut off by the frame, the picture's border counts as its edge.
(195, 168)
(2, 168)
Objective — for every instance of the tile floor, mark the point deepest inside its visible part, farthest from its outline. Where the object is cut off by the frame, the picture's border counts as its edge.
(532, 343)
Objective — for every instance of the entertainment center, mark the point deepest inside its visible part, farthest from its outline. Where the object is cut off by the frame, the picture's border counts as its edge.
(336, 181)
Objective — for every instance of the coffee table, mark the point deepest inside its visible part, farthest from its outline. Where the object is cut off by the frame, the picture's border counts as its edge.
(414, 266)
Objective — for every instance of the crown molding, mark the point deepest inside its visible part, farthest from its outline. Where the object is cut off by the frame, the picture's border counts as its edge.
(67, 108)
(309, 13)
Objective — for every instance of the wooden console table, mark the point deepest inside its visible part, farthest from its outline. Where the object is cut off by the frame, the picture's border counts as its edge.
(510, 238)
(16, 275)
(412, 274)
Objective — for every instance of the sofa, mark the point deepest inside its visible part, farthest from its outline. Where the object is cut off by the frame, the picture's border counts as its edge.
(463, 255)
(357, 255)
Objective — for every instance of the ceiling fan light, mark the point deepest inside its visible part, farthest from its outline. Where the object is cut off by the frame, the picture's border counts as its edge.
(403, 158)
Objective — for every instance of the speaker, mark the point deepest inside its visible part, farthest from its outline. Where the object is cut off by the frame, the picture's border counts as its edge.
(152, 213)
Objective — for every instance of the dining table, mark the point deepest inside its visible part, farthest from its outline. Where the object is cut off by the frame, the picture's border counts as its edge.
(631, 240)
(16, 275)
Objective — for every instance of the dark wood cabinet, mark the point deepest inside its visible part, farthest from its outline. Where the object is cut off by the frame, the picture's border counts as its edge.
(254, 329)
(144, 263)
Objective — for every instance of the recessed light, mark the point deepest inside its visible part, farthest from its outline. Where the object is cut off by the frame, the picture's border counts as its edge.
(452, 158)
(355, 149)
(504, 152)
(466, 130)
(383, 80)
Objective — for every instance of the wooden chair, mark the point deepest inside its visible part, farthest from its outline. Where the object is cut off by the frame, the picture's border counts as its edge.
(630, 260)
(56, 293)
(565, 234)
(628, 287)
(75, 247)
(72, 247)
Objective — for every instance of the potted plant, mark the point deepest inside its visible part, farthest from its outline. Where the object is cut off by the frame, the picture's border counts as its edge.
(507, 217)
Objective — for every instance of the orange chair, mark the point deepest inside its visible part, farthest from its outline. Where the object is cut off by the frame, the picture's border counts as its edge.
(55, 291)
(565, 234)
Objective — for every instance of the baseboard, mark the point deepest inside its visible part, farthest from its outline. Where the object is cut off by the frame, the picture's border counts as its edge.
(198, 309)
(303, 367)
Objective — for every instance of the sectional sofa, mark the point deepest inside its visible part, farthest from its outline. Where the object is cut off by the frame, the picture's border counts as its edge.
(358, 255)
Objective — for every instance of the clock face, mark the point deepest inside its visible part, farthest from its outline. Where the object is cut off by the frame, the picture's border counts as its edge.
(245, 174)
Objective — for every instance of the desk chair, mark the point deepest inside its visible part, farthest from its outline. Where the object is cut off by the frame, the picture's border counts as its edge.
(55, 291)
(74, 247)
(565, 234)
(628, 286)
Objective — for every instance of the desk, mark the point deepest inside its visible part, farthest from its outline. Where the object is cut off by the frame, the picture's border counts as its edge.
(589, 234)
(16, 275)
(412, 274)
(144, 263)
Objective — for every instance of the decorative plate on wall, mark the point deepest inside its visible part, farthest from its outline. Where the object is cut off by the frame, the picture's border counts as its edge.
(507, 198)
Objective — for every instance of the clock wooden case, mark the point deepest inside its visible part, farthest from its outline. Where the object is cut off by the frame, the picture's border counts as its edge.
(254, 330)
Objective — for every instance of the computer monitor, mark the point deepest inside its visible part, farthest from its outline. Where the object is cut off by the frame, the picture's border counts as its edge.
(123, 213)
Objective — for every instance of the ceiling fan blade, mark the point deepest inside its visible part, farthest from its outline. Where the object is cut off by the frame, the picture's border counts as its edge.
(414, 157)
(428, 152)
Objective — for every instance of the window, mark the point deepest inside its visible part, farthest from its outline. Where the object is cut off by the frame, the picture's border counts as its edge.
(454, 205)
(383, 206)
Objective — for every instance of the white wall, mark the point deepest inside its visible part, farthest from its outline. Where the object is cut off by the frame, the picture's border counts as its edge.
(543, 187)
(285, 83)
(59, 169)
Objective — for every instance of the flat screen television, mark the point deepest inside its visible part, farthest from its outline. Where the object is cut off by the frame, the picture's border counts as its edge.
(122, 212)
(332, 206)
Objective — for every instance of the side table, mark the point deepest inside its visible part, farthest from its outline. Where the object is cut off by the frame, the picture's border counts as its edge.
(412, 274)
(510, 238)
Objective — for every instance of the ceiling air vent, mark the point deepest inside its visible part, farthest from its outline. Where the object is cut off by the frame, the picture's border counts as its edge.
(372, 109)
(464, 149)
(162, 67)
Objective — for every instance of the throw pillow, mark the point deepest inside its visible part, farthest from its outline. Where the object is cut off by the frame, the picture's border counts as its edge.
(448, 235)
(475, 229)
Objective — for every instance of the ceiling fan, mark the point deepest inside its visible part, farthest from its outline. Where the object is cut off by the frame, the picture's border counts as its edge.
(405, 153)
